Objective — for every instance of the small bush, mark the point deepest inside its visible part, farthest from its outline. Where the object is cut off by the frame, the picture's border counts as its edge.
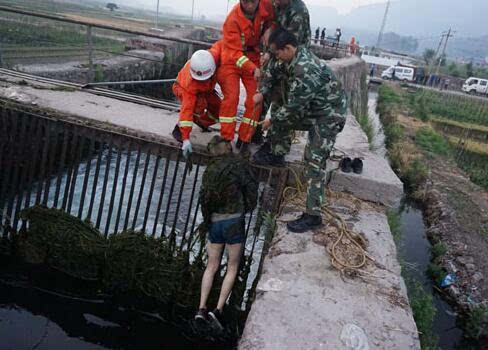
(436, 272)
(439, 249)
(416, 175)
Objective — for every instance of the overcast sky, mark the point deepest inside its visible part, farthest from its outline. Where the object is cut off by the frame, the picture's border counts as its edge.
(218, 7)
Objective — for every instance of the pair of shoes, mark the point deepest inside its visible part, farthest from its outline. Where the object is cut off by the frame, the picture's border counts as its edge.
(264, 157)
(347, 165)
(305, 222)
(177, 133)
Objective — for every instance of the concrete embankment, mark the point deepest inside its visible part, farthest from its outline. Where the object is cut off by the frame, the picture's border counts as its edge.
(302, 300)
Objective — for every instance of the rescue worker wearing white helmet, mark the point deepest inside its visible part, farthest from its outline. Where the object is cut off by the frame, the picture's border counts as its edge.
(195, 88)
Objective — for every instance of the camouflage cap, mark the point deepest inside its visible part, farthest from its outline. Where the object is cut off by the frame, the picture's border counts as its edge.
(218, 146)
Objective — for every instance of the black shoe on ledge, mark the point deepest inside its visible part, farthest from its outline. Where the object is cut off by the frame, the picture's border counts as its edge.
(305, 223)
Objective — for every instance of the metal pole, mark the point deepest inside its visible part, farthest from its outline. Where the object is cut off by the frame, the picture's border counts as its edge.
(448, 35)
(107, 83)
(190, 50)
(90, 55)
(157, 15)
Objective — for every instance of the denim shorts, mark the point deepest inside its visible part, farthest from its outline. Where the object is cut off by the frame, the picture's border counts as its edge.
(231, 231)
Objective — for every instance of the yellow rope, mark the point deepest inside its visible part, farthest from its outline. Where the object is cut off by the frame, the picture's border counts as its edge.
(298, 190)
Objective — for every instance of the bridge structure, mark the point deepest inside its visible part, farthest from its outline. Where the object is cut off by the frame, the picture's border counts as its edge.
(108, 156)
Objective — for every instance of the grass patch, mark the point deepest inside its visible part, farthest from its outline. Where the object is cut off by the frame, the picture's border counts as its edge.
(476, 323)
(432, 142)
(395, 224)
(367, 127)
(447, 106)
(420, 300)
(424, 312)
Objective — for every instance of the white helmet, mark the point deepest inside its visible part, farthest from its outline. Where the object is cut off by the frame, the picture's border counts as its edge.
(202, 65)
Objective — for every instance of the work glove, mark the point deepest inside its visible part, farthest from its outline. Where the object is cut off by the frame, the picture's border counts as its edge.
(186, 148)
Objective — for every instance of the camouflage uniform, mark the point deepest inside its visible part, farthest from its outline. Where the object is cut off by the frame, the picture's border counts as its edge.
(228, 187)
(296, 20)
(314, 101)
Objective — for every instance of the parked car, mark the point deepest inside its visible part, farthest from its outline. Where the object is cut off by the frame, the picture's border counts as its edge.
(401, 73)
(475, 86)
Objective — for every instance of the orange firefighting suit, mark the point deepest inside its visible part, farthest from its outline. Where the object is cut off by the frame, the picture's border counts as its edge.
(198, 98)
(239, 58)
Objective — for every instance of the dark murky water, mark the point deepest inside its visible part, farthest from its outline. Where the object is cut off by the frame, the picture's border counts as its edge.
(415, 249)
(416, 252)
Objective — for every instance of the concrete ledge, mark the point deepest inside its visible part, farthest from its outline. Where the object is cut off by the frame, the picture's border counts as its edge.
(303, 303)
(378, 183)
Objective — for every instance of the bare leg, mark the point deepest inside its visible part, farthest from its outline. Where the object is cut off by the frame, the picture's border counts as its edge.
(214, 252)
(234, 257)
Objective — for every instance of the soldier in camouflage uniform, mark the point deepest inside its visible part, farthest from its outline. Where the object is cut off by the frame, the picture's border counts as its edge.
(314, 101)
(228, 191)
(293, 16)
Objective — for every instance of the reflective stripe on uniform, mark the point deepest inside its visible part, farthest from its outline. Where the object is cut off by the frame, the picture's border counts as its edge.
(184, 123)
(250, 122)
(240, 62)
(227, 119)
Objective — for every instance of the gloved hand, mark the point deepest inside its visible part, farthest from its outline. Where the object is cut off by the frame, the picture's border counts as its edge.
(186, 148)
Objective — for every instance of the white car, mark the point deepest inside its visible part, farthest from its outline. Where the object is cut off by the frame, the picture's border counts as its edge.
(475, 86)
(401, 73)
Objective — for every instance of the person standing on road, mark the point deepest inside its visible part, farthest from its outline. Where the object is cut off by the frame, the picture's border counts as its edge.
(322, 37)
(228, 191)
(317, 34)
(314, 101)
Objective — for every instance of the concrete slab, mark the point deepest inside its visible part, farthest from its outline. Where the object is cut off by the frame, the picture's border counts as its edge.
(303, 303)
(109, 113)
(378, 183)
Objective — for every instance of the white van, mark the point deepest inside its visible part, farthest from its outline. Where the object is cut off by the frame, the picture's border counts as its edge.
(475, 86)
(401, 73)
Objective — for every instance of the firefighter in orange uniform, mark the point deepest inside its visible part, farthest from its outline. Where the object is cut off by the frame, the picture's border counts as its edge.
(195, 88)
(243, 28)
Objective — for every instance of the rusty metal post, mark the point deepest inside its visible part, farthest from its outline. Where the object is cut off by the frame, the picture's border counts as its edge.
(91, 72)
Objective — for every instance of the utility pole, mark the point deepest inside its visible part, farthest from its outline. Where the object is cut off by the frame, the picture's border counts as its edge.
(447, 36)
(382, 29)
(157, 15)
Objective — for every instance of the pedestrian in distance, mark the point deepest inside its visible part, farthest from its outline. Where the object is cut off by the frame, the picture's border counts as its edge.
(315, 102)
(317, 33)
(228, 191)
(322, 37)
